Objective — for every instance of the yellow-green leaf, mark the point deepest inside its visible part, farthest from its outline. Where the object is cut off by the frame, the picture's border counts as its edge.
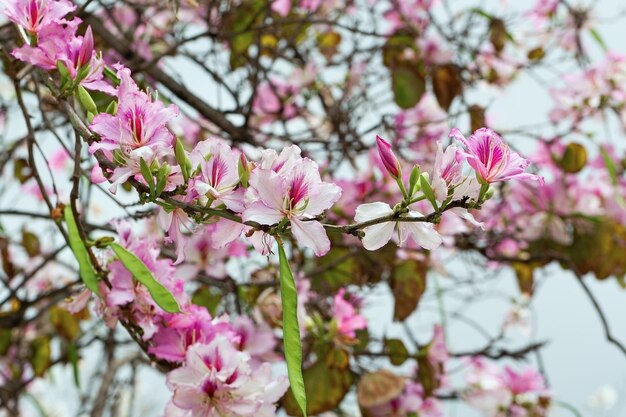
(408, 86)
(291, 331)
(326, 386)
(87, 273)
(396, 350)
(161, 295)
(408, 283)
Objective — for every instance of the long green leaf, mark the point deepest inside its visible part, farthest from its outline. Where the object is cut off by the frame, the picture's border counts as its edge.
(85, 268)
(72, 355)
(610, 166)
(291, 330)
(596, 36)
(161, 295)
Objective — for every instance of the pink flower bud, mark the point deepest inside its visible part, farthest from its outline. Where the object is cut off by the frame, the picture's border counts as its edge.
(86, 50)
(387, 156)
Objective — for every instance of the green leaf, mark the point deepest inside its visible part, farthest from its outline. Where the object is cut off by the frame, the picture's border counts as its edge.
(428, 191)
(40, 355)
(30, 242)
(396, 350)
(5, 341)
(207, 297)
(610, 166)
(72, 356)
(408, 86)
(574, 158)
(65, 323)
(85, 268)
(161, 295)
(408, 283)
(326, 386)
(291, 330)
(596, 36)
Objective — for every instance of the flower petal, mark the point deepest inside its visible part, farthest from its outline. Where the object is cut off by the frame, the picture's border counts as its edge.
(312, 235)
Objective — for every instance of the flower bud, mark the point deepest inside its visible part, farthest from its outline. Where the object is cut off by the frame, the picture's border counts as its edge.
(388, 158)
(244, 170)
(86, 49)
(414, 185)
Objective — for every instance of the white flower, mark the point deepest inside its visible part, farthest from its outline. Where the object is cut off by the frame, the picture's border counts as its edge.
(376, 236)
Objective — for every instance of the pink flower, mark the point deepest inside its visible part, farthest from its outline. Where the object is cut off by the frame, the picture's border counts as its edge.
(378, 235)
(275, 100)
(217, 380)
(54, 39)
(58, 160)
(206, 251)
(437, 350)
(180, 331)
(139, 122)
(78, 53)
(282, 7)
(348, 320)
(497, 393)
(526, 381)
(447, 172)
(491, 157)
(256, 339)
(219, 177)
(298, 195)
(391, 163)
(171, 222)
(138, 131)
(33, 15)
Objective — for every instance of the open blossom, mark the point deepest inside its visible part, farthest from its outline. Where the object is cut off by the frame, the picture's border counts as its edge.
(447, 172)
(256, 339)
(492, 158)
(54, 40)
(138, 131)
(218, 179)
(376, 236)
(500, 393)
(348, 320)
(298, 195)
(139, 121)
(207, 252)
(33, 15)
(217, 380)
(275, 101)
(177, 332)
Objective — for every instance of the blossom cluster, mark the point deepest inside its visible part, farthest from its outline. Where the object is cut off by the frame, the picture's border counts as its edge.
(213, 202)
(505, 392)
